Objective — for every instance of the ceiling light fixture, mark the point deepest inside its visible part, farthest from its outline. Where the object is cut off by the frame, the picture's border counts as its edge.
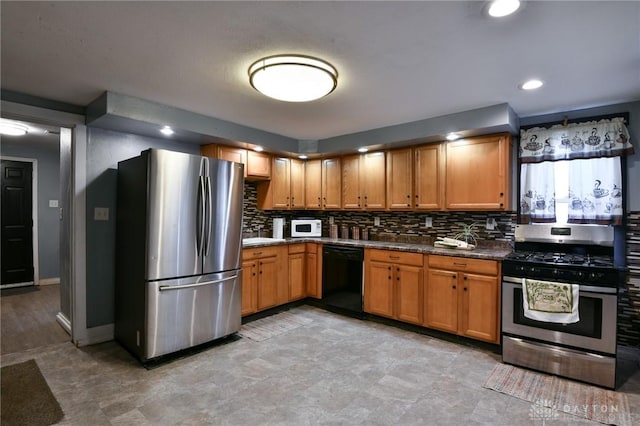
(12, 128)
(167, 131)
(500, 8)
(363, 149)
(302, 157)
(258, 148)
(293, 78)
(531, 85)
(453, 136)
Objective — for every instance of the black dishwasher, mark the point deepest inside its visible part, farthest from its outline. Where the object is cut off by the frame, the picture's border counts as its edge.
(342, 278)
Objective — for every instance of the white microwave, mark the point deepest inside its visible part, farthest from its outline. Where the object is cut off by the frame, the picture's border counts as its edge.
(306, 228)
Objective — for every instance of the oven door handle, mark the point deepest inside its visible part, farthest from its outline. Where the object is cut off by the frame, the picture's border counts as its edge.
(583, 288)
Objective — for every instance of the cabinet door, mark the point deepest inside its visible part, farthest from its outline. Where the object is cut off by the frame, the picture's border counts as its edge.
(267, 282)
(258, 165)
(400, 179)
(331, 184)
(373, 181)
(378, 289)
(280, 183)
(297, 182)
(428, 177)
(409, 295)
(313, 285)
(297, 275)
(479, 307)
(313, 184)
(249, 288)
(237, 155)
(477, 173)
(441, 300)
(351, 182)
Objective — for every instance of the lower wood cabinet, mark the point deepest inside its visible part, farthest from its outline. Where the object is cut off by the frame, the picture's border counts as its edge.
(463, 297)
(264, 278)
(275, 275)
(393, 284)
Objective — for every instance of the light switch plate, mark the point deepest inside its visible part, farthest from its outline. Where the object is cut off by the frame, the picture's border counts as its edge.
(53, 203)
(376, 221)
(491, 224)
(101, 213)
(428, 222)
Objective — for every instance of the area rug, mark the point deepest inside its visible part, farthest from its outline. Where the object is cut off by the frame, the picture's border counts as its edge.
(266, 328)
(26, 399)
(550, 394)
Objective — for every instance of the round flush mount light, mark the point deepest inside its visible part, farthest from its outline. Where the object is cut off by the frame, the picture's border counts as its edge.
(258, 148)
(500, 8)
(303, 157)
(531, 84)
(453, 136)
(12, 128)
(293, 78)
(167, 131)
(363, 149)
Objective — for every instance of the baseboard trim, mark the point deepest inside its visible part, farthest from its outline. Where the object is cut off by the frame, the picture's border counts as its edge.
(64, 322)
(49, 281)
(15, 285)
(95, 335)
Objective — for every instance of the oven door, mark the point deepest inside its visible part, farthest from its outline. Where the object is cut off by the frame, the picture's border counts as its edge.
(595, 331)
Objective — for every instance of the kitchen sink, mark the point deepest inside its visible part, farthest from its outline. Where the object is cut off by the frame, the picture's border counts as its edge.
(260, 240)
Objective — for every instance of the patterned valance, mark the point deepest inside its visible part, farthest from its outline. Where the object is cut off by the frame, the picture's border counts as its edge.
(603, 138)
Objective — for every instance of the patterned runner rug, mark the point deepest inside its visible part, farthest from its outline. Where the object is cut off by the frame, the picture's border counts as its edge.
(26, 397)
(266, 328)
(549, 394)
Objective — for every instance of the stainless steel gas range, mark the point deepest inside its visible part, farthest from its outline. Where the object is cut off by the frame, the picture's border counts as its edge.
(575, 254)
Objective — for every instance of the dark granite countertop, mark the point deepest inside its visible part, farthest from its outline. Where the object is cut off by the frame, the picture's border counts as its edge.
(489, 252)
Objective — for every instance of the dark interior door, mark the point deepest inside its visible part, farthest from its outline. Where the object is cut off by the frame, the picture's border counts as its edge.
(17, 223)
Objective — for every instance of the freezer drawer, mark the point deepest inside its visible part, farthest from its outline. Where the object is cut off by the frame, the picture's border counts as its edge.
(187, 312)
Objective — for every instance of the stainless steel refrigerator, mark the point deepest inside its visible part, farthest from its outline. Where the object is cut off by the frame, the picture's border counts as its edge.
(178, 252)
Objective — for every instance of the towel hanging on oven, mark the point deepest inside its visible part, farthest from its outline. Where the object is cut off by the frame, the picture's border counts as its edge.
(550, 301)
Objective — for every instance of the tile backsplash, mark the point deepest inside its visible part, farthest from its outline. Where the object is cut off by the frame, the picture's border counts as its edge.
(393, 226)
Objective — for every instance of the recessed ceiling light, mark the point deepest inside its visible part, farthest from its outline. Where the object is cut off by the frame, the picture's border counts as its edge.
(453, 136)
(531, 85)
(363, 149)
(302, 157)
(167, 131)
(258, 148)
(500, 8)
(293, 78)
(12, 128)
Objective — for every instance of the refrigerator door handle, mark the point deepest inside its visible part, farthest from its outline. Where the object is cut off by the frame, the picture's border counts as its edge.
(200, 216)
(186, 286)
(208, 214)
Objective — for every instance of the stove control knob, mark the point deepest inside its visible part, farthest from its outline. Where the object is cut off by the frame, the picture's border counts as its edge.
(593, 276)
(532, 269)
(580, 274)
(555, 272)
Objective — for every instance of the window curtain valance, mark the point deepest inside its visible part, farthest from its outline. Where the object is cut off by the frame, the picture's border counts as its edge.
(593, 139)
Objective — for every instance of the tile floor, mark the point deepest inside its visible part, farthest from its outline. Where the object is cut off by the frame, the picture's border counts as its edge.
(333, 370)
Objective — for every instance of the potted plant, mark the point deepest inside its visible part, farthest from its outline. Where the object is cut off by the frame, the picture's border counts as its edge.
(468, 234)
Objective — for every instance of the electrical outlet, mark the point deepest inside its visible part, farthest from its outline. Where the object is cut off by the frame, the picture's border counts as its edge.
(330, 220)
(376, 221)
(53, 203)
(428, 222)
(491, 224)
(101, 213)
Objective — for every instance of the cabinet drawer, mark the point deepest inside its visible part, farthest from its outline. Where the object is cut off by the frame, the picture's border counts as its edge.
(480, 266)
(259, 252)
(392, 256)
(297, 248)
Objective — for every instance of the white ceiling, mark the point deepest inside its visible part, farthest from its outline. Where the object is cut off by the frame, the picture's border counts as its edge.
(398, 61)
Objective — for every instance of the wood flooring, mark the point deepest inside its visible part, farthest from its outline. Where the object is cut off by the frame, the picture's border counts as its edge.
(28, 318)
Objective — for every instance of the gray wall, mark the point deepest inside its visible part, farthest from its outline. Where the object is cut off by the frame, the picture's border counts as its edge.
(46, 149)
(104, 150)
(633, 161)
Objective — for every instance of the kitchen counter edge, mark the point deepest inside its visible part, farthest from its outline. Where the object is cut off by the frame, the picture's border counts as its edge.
(477, 253)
